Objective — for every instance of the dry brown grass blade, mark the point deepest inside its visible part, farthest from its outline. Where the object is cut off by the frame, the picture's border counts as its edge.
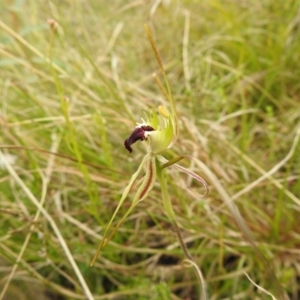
(242, 226)
(58, 234)
(45, 179)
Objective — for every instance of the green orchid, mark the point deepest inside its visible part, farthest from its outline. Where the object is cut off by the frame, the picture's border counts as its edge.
(160, 130)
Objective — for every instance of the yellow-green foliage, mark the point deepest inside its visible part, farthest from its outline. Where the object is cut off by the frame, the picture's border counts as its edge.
(75, 78)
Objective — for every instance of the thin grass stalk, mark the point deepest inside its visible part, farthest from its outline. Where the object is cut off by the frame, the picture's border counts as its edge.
(45, 179)
(244, 229)
(59, 236)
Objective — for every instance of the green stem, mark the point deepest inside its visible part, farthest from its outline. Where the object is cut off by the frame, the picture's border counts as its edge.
(171, 215)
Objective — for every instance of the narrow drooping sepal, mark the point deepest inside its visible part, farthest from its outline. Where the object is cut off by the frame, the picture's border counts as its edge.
(142, 192)
(133, 179)
(192, 174)
(148, 181)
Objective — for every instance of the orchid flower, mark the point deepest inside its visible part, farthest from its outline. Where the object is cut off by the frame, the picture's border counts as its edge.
(160, 131)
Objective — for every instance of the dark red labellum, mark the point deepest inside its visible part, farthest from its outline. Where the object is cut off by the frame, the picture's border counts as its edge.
(138, 134)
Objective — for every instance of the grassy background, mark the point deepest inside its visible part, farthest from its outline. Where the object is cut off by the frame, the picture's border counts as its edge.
(234, 68)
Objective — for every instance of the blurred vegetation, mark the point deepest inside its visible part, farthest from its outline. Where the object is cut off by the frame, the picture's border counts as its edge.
(76, 76)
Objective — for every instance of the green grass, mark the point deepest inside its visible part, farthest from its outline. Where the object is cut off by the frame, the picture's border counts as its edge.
(234, 69)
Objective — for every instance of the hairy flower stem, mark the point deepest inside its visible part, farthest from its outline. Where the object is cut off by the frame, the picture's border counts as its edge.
(171, 215)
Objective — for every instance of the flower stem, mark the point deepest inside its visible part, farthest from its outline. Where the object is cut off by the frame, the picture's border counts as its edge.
(171, 215)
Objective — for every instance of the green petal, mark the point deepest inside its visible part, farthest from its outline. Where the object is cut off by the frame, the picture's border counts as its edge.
(161, 139)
